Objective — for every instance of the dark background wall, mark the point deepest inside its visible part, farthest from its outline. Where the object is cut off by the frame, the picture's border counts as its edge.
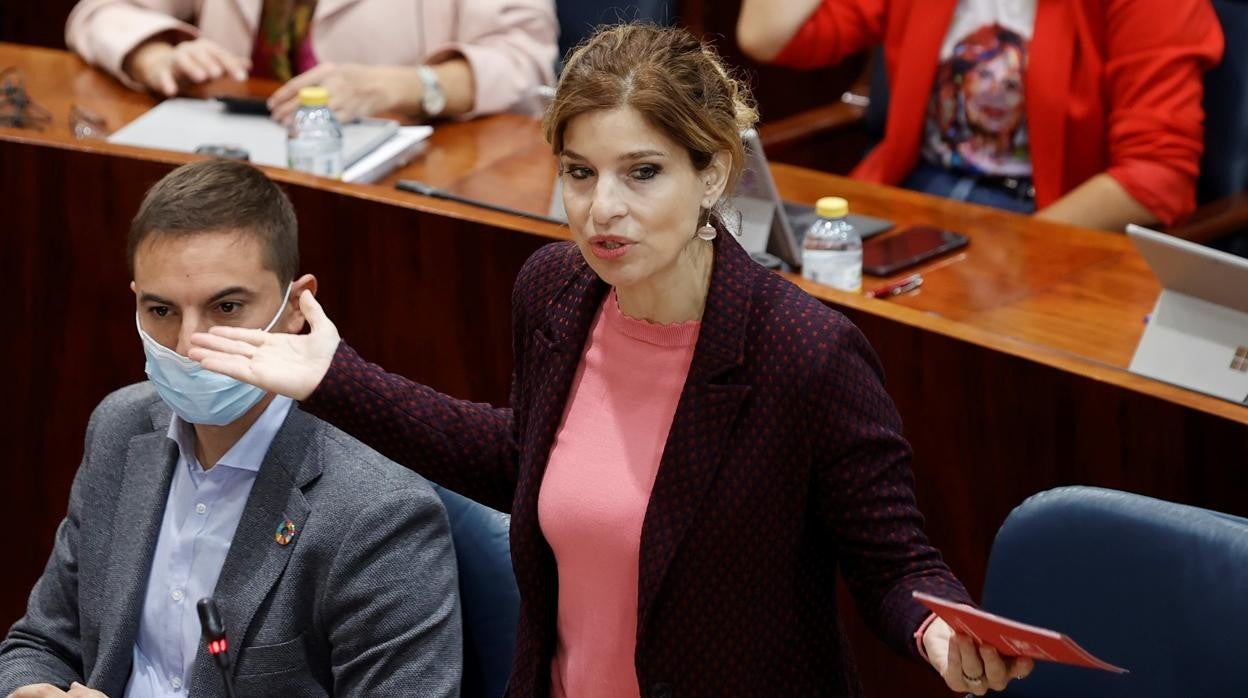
(38, 22)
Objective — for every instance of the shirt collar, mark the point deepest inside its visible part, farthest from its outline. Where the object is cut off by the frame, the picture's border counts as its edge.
(249, 451)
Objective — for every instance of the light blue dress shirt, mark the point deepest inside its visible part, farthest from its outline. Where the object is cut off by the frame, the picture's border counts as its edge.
(201, 514)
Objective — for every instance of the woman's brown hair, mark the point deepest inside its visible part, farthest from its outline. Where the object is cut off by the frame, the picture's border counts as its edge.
(677, 83)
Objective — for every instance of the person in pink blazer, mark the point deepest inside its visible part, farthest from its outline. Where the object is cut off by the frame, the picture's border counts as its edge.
(449, 58)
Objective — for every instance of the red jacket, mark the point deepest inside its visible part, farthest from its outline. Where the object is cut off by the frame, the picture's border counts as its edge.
(784, 466)
(1112, 86)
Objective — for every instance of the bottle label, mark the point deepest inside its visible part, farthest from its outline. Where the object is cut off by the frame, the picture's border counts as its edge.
(316, 158)
(840, 269)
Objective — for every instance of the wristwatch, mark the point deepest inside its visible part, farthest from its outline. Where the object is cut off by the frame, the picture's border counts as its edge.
(432, 99)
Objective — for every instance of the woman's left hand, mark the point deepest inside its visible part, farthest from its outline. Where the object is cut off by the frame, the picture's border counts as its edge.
(968, 667)
(354, 90)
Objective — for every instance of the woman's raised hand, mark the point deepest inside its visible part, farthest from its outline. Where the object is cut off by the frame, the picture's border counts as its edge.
(289, 364)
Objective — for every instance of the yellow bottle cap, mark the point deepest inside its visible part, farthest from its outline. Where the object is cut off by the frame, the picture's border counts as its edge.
(832, 207)
(313, 97)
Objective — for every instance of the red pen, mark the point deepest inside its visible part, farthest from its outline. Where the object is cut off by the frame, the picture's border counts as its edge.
(897, 288)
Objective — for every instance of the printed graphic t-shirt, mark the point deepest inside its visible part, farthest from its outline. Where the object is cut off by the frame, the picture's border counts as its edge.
(976, 120)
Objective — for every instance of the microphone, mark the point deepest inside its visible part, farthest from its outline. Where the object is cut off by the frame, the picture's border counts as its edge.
(212, 628)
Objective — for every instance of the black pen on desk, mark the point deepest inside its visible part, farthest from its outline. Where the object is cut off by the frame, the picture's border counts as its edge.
(433, 192)
(897, 288)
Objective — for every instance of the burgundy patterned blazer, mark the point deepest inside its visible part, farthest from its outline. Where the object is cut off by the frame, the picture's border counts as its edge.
(784, 466)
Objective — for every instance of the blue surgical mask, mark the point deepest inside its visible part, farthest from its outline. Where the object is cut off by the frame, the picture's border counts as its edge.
(194, 393)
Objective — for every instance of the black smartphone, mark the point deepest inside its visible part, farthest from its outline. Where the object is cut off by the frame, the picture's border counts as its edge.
(255, 106)
(887, 255)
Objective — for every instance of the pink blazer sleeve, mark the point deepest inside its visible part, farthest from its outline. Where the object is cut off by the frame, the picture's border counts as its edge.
(104, 32)
(510, 45)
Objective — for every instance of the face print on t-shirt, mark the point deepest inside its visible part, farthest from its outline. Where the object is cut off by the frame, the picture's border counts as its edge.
(976, 118)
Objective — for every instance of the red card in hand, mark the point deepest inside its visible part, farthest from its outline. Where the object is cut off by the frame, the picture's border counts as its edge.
(1011, 637)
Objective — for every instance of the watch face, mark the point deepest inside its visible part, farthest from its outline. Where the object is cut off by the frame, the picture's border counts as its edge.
(433, 101)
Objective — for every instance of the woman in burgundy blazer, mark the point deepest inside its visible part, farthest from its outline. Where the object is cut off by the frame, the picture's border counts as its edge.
(784, 465)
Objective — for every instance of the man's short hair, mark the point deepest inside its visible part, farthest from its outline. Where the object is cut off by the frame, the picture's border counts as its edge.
(213, 196)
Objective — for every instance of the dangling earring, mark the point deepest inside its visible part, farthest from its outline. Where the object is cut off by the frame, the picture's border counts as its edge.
(707, 231)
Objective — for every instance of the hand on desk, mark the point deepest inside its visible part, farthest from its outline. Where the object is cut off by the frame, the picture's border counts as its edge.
(289, 364)
(162, 67)
(354, 90)
(967, 667)
(47, 690)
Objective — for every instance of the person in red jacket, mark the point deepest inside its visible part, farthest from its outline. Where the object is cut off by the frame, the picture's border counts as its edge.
(1083, 111)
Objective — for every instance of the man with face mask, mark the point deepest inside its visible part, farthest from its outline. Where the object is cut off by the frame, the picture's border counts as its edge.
(332, 567)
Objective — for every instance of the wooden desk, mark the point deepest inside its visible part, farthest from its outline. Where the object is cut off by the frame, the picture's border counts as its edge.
(1008, 366)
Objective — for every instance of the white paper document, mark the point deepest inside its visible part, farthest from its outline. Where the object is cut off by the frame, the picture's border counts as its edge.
(183, 125)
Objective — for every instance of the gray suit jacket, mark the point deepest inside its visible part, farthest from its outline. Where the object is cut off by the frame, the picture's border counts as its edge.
(362, 602)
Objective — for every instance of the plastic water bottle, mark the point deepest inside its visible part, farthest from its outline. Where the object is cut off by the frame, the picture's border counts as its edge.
(314, 139)
(832, 250)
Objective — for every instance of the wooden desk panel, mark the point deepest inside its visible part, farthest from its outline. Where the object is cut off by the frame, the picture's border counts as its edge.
(1007, 367)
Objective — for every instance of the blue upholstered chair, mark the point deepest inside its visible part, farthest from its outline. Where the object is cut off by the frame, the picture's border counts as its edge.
(489, 598)
(1156, 587)
(578, 18)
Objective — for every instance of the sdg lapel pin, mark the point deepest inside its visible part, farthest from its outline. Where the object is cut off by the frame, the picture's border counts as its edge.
(285, 532)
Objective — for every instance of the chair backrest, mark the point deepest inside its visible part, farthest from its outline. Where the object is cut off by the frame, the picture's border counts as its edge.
(579, 18)
(489, 598)
(1156, 587)
(877, 109)
(1224, 166)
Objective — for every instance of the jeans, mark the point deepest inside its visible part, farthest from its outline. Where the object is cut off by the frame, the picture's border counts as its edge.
(936, 180)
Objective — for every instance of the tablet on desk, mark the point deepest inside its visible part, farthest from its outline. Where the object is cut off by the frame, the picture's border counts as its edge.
(183, 125)
(1197, 334)
(772, 226)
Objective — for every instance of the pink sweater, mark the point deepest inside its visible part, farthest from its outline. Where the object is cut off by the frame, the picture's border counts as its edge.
(596, 489)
